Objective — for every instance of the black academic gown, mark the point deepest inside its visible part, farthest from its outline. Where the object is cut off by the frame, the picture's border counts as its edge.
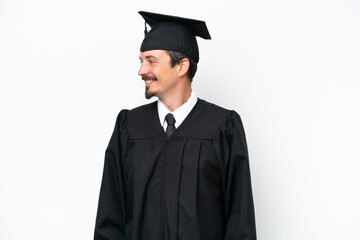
(193, 186)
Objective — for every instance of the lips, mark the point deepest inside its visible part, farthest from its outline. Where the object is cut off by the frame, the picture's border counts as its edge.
(148, 79)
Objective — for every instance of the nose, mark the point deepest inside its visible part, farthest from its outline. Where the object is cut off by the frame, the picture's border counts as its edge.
(143, 70)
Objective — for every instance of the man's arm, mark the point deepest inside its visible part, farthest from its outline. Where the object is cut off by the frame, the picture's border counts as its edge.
(239, 208)
(110, 220)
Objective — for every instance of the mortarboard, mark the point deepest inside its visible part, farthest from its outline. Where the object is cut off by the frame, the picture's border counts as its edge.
(173, 34)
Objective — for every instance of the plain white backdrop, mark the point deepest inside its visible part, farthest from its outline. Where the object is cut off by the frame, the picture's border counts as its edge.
(291, 69)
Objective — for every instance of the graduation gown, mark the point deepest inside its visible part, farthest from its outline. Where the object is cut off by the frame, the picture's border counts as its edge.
(194, 185)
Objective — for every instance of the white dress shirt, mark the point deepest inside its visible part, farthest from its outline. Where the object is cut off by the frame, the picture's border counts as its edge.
(179, 114)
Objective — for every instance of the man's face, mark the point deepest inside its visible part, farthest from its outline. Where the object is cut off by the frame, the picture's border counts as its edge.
(160, 78)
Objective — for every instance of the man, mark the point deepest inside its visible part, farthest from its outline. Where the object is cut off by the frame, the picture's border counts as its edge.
(176, 168)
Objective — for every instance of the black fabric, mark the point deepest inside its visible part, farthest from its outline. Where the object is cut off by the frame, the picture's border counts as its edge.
(173, 33)
(171, 124)
(197, 27)
(193, 185)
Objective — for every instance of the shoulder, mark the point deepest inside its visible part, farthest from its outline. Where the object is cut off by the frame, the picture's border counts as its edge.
(142, 110)
(141, 121)
(217, 112)
(213, 109)
(139, 113)
(213, 113)
(121, 118)
(145, 107)
(207, 119)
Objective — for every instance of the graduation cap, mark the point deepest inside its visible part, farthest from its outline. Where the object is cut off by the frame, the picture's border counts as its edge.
(173, 33)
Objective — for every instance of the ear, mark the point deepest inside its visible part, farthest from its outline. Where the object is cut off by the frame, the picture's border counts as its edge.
(183, 67)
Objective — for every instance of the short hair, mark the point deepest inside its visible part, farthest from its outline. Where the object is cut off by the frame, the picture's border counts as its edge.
(176, 57)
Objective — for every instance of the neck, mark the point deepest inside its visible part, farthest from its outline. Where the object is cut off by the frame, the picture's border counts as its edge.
(174, 101)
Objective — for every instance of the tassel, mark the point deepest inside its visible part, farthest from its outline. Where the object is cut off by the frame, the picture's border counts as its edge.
(145, 31)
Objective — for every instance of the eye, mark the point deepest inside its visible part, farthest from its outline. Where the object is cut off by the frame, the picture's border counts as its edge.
(151, 60)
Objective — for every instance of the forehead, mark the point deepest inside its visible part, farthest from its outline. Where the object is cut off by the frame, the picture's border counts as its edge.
(160, 54)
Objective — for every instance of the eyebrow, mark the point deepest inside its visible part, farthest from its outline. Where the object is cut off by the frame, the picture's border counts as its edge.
(148, 57)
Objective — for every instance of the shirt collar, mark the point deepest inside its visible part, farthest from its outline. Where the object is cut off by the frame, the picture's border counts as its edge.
(179, 114)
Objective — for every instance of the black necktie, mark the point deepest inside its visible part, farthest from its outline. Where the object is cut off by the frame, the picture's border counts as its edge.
(170, 127)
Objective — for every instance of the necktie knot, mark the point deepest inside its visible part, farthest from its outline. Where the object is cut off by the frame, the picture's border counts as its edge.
(171, 127)
(170, 119)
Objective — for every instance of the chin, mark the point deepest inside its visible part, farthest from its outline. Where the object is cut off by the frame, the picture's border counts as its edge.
(149, 94)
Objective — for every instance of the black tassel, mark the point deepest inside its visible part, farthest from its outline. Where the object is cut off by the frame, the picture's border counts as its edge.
(145, 31)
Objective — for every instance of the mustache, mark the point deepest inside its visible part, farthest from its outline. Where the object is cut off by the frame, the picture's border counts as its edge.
(149, 78)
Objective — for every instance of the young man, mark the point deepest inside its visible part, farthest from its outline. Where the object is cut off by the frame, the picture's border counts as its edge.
(176, 168)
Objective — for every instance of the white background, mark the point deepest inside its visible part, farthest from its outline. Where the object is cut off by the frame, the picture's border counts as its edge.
(290, 68)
